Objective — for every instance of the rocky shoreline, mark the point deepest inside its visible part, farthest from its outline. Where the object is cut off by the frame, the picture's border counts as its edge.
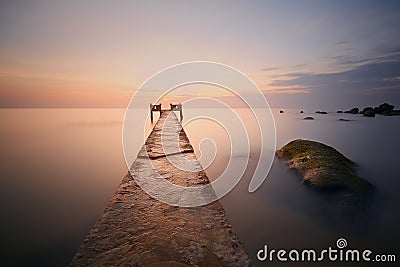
(383, 109)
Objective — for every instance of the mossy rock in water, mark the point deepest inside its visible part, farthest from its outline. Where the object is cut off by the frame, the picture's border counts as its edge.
(323, 167)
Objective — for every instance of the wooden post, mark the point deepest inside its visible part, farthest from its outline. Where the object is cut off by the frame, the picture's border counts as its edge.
(155, 107)
(177, 107)
(180, 111)
(151, 112)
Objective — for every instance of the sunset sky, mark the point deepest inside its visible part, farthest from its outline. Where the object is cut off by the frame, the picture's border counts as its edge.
(319, 54)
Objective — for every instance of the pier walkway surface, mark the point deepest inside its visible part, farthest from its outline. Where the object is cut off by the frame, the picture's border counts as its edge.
(138, 230)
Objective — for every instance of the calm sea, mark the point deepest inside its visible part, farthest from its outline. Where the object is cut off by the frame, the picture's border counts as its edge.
(60, 167)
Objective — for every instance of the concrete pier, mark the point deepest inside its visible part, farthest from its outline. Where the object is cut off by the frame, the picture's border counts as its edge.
(138, 230)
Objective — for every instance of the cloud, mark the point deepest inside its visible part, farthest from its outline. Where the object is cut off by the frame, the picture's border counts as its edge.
(270, 69)
(352, 61)
(299, 66)
(291, 89)
(369, 80)
(342, 42)
(392, 79)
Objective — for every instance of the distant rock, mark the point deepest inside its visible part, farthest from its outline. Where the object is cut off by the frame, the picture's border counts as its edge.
(324, 168)
(352, 111)
(393, 113)
(281, 111)
(339, 111)
(343, 119)
(369, 113)
(308, 118)
(301, 111)
(366, 109)
(321, 112)
(384, 108)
